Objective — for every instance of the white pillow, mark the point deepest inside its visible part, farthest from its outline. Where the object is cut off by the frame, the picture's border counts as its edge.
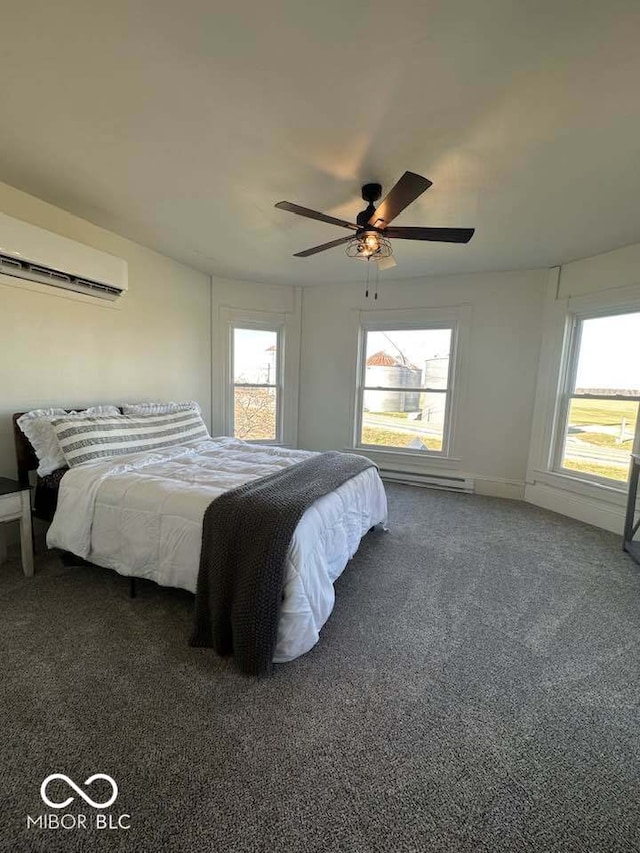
(37, 427)
(87, 439)
(160, 408)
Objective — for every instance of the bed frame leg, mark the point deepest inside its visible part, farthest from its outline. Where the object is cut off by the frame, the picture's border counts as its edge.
(132, 587)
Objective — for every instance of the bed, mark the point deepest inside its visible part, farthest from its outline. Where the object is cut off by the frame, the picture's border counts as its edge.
(141, 515)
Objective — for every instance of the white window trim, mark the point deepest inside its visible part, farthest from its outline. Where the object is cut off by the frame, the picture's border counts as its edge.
(287, 327)
(458, 319)
(553, 372)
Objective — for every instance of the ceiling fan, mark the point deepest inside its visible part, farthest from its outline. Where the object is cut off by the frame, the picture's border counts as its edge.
(372, 232)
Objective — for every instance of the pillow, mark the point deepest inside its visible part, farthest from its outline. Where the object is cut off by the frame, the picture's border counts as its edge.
(159, 408)
(36, 425)
(85, 439)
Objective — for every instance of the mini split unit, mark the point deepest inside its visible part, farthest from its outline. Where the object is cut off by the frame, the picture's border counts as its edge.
(33, 254)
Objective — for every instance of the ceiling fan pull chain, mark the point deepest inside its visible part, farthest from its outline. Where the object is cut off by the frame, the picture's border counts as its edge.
(366, 292)
(377, 279)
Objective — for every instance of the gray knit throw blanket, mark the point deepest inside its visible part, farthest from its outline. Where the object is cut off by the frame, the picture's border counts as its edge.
(246, 535)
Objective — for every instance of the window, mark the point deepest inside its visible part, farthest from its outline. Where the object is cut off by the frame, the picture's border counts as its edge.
(256, 384)
(598, 415)
(256, 358)
(405, 388)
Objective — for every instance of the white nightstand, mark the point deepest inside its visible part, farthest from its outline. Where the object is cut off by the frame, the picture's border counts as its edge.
(15, 505)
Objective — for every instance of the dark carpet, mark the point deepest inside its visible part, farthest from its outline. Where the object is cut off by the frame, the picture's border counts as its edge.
(476, 689)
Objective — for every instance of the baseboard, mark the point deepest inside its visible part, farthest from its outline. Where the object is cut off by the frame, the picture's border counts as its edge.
(598, 513)
(447, 482)
(511, 489)
(495, 488)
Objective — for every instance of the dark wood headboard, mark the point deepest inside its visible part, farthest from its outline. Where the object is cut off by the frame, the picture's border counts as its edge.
(25, 454)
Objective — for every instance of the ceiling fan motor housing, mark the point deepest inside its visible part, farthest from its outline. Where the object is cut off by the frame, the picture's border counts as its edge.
(370, 193)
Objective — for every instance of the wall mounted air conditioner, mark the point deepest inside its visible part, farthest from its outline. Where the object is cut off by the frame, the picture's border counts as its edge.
(31, 253)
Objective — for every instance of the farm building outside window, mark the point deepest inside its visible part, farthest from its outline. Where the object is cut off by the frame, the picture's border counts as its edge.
(598, 413)
(405, 389)
(256, 384)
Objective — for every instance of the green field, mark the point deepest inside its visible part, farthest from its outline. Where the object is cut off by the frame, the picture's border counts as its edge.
(602, 412)
(387, 437)
(611, 472)
(601, 439)
(606, 428)
(384, 435)
(598, 442)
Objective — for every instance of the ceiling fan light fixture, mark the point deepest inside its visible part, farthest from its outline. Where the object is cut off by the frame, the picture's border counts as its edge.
(369, 245)
(386, 263)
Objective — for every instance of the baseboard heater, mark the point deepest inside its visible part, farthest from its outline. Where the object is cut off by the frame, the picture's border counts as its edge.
(429, 481)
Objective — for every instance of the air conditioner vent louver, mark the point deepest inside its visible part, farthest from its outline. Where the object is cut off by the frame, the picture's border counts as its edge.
(33, 254)
(10, 262)
(44, 275)
(59, 276)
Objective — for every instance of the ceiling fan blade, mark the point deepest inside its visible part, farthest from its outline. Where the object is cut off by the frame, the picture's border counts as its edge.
(435, 235)
(322, 248)
(314, 214)
(408, 188)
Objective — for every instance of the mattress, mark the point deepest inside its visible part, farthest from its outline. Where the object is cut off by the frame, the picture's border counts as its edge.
(141, 515)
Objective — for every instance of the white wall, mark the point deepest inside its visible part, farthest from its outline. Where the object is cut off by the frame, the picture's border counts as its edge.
(601, 273)
(59, 350)
(610, 280)
(498, 394)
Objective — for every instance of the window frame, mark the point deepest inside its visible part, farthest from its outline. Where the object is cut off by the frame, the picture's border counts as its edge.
(289, 320)
(566, 393)
(433, 319)
(261, 326)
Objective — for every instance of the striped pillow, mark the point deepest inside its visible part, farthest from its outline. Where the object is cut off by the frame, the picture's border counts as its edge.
(85, 439)
(36, 425)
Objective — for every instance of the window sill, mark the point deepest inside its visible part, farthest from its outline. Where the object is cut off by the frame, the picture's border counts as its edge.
(616, 495)
(411, 456)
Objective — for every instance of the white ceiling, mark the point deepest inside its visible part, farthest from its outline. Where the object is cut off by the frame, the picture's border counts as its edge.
(180, 124)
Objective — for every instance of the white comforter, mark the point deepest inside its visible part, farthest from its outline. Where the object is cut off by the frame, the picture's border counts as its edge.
(142, 515)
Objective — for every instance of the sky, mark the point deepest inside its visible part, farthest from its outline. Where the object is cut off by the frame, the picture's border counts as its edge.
(610, 353)
(251, 358)
(416, 344)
